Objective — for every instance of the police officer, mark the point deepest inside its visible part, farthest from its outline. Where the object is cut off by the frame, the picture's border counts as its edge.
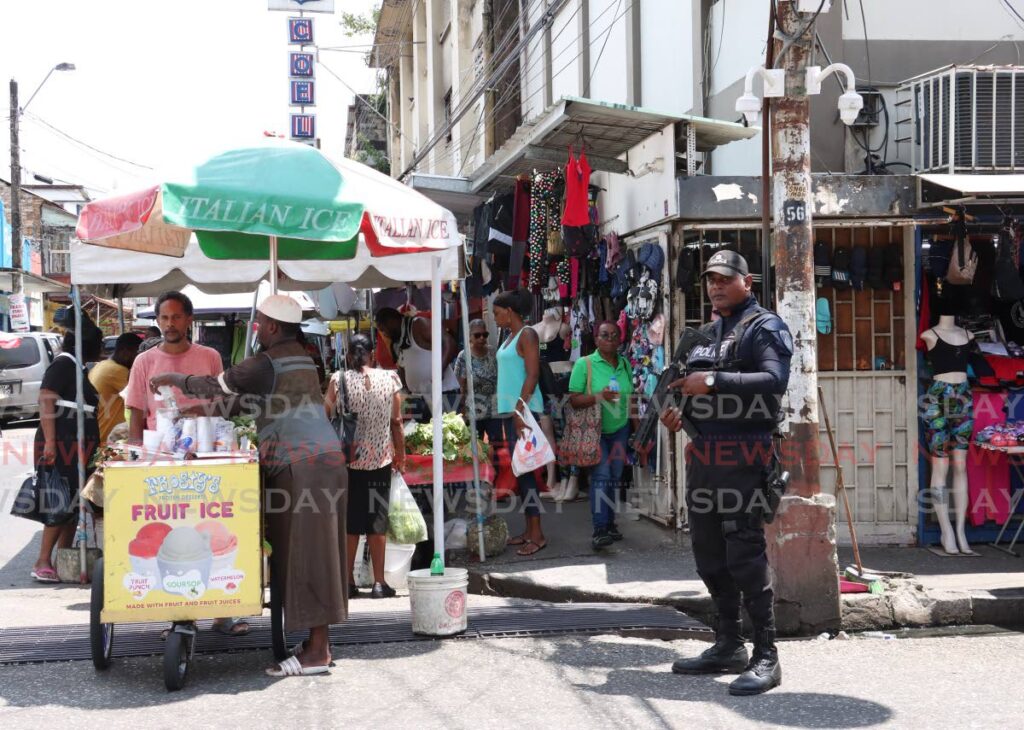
(734, 386)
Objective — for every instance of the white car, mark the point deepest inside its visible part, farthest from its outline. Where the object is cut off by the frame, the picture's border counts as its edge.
(24, 357)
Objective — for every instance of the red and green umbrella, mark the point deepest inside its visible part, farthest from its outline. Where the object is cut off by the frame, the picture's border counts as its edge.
(275, 200)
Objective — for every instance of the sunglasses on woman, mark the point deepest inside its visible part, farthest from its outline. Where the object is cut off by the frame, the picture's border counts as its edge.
(477, 335)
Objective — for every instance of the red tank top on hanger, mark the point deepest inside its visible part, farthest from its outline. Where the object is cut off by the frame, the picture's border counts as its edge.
(577, 201)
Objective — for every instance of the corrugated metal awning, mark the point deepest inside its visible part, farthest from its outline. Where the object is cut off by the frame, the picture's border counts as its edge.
(31, 283)
(942, 190)
(454, 193)
(979, 184)
(609, 131)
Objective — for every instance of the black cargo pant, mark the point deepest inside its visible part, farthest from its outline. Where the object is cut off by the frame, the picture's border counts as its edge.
(723, 495)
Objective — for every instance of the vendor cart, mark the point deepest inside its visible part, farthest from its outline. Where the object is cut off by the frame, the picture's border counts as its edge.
(183, 541)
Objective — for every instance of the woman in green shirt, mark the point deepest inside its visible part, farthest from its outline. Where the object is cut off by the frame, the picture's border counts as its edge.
(612, 386)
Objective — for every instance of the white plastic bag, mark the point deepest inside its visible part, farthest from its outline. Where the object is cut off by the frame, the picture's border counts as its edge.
(406, 525)
(455, 534)
(532, 448)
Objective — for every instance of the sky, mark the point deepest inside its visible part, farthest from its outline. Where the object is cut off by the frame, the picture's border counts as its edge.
(161, 84)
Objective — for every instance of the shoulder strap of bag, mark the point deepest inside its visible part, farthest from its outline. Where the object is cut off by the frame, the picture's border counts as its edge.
(344, 402)
(590, 375)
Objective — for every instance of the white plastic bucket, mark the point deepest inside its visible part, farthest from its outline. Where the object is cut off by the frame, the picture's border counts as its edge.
(438, 601)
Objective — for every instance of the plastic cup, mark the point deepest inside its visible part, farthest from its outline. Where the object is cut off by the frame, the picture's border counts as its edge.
(204, 434)
(151, 440)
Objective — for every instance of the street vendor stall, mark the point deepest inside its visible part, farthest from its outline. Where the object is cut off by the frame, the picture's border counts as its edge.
(183, 542)
(362, 239)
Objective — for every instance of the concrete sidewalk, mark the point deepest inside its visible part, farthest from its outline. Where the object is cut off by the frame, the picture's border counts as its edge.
(654, 564)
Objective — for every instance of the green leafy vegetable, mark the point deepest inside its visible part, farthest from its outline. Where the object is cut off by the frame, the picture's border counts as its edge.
(455, 439)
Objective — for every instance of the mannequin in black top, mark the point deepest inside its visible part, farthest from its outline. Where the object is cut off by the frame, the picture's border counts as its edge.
(948, 351)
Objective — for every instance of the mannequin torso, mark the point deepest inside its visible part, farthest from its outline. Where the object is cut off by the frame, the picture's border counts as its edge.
(552, 331)
(947, 334)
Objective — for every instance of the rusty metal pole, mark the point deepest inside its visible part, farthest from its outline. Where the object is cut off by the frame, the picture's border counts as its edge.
(802, 540)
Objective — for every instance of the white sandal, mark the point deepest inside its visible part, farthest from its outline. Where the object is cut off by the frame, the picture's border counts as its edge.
(292, 667)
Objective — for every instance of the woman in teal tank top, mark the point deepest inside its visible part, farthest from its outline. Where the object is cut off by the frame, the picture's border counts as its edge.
(518, 374)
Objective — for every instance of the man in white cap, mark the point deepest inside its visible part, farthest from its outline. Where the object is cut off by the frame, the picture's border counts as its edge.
(305, 476)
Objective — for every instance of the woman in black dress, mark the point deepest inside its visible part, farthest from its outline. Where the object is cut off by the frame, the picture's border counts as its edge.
(56, 439)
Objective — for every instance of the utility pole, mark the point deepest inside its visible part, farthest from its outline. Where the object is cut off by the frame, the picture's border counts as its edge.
(800, 542)
(16, 244)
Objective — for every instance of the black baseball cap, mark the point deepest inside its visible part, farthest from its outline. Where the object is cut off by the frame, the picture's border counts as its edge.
(726, 263)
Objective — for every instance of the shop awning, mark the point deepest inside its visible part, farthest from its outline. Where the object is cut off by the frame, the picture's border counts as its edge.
(936, 190)
(31, 283)
(454, 193)
(610, 130)
(214, 306)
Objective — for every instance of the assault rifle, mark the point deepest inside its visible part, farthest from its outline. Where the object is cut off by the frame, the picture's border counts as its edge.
(663, 397)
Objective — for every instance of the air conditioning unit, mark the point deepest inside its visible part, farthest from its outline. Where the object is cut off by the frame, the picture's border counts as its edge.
(966, 119)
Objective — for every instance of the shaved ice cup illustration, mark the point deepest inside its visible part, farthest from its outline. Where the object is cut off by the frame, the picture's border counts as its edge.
(143, 549)
(185, 560)
(223, 545)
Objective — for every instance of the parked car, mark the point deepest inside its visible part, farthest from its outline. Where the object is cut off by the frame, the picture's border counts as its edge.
(24, 358)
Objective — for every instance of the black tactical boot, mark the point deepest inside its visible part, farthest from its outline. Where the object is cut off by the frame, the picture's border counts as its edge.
(764, 671)
(727, 655)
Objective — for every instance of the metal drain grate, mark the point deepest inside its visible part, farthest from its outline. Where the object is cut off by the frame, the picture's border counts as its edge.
(70, 643)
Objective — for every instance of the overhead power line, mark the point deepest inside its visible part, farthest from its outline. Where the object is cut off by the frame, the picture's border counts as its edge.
(64, 134)
(538, 71)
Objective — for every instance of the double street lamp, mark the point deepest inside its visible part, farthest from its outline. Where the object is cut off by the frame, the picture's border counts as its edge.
(16, 112)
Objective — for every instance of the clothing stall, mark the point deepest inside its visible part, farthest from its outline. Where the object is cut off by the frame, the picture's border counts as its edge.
(971, 349)
(545, 232)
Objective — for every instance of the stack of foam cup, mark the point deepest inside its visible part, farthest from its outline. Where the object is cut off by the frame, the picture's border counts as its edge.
(204, 434)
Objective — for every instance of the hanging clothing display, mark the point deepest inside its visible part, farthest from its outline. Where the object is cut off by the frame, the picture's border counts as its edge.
(543, 209)
(577, 197)
(521, 210)
(499, 238)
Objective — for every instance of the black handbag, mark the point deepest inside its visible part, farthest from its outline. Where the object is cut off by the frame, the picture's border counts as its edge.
(551, 385)
(45, 497)
(344, 419)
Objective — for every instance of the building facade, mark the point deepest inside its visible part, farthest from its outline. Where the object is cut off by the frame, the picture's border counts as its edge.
(483, 91)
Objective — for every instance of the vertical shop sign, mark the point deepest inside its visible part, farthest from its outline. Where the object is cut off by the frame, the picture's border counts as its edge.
(303, 126)
(300, 65)
(300, 31)
(303, 93)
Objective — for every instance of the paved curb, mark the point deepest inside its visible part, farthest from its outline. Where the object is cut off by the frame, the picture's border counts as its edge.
(909, 604)
(906, 603)
(511, 585)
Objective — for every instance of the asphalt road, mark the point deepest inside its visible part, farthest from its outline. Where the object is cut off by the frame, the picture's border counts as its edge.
(564, 682)
(568, 682)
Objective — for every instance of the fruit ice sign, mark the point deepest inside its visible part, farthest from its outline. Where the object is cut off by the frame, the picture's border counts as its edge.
(182, 541)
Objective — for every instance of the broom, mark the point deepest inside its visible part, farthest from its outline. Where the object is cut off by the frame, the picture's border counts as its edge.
(855, 574)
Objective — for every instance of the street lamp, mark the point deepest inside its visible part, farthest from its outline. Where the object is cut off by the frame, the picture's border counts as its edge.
(58, 67)
(16, 112)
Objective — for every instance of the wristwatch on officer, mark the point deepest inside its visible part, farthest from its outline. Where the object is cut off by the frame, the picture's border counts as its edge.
(709, 380)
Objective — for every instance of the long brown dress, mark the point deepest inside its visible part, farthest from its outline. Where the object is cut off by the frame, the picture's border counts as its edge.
(305, 480)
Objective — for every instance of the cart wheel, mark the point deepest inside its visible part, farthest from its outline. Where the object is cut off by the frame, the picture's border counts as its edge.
(101, 635)
(177, 654)
(278, 640)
